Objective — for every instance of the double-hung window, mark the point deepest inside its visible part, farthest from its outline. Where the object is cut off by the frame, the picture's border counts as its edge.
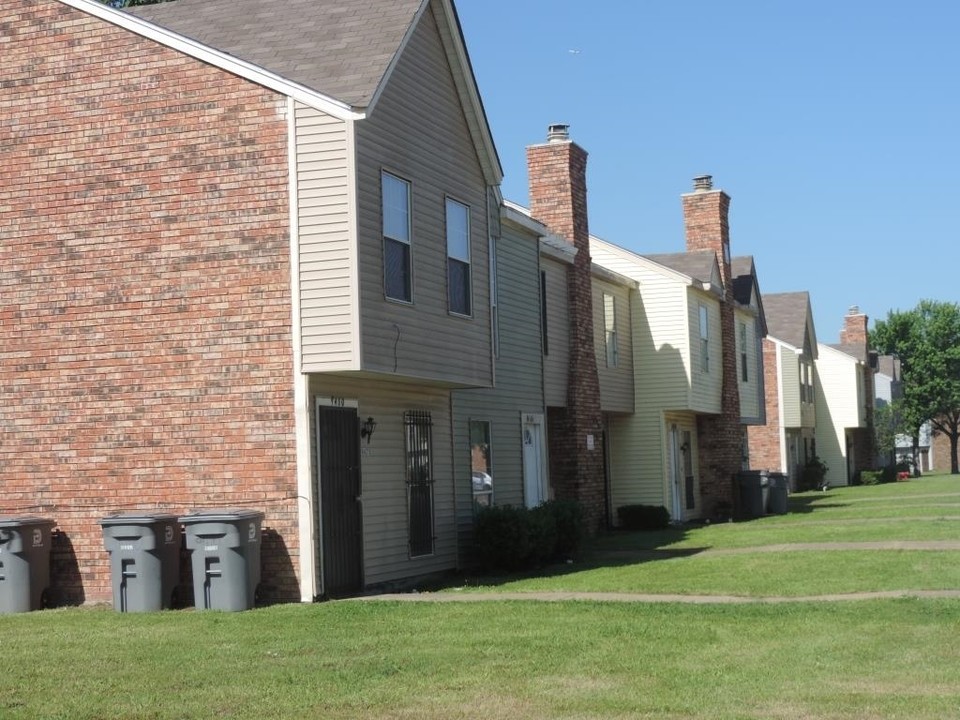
(704, 340)
(397, 274)
(610, 329)
(458, 257)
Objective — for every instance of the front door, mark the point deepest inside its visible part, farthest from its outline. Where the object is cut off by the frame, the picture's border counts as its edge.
(677, 474)
(534, 485)
(341, 522)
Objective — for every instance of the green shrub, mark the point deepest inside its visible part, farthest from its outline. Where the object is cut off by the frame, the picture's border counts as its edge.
(571, 529)
(508, 539)
(871, 477)
(812, 474)
(501, 537)
(643, 517)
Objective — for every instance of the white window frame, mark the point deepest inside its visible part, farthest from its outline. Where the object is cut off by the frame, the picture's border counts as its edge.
(610, 330)
(392, 237)
(458, 254)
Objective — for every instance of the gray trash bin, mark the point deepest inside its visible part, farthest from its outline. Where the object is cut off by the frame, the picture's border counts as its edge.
(24, 562)
(224, 550)
(753, 486)
(779, 486)
(144, 560)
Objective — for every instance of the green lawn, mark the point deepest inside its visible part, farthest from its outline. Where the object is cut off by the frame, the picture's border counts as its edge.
(813, 660)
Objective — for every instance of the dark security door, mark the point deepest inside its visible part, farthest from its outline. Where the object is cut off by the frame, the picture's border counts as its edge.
(340, 512)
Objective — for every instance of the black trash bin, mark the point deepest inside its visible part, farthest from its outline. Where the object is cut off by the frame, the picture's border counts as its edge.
(144, 560)
(753, 486)
(24, 562)
(779, 487)
(224, 550)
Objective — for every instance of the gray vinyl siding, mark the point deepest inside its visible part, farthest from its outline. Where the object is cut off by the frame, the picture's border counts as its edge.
(705, 387)
(328, 298)
(555, 361)
(750, 399)
(418, 131)
(616, 383)
(519, 380)
(382, 465)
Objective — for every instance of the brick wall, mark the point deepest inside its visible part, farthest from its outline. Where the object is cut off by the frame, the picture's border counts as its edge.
(765, 450)
(558, 198)
(940, 453)
(146, 358)
(720, 437)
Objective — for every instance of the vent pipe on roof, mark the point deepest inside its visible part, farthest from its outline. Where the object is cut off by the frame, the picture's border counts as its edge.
(703, 183)
(558, 133)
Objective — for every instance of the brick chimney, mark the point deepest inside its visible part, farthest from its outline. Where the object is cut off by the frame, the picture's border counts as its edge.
(854, 333)
(854, 330)
(557, 172)
(707, 227)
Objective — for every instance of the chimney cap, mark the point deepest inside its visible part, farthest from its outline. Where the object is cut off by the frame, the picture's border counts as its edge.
(558, 132)
(703, 183)
(854, 310)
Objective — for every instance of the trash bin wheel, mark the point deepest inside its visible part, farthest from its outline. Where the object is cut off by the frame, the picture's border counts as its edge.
(45, 598)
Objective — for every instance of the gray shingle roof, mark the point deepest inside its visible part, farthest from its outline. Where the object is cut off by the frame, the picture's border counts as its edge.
(697, 265)
(339, 48)
(786, 315)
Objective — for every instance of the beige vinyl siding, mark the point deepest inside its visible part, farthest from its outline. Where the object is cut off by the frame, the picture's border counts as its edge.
(808, 410)
(705, 386)
(519, 381)
(555, 362)
(328, 297)
(837, 408)
(383, 485)
(790, 386)
(616, 383)
(418, 132)
(750, 400)
(660, 335)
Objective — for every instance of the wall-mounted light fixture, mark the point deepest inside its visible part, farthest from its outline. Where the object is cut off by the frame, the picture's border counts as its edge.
(367, 427)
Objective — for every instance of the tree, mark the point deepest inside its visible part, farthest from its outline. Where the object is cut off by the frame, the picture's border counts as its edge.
(927, 341)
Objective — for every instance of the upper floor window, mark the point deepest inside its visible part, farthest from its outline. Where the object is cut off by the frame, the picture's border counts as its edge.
(744, 375)
(610, 329)
(458, 257)
(397, 275)
(704, 339)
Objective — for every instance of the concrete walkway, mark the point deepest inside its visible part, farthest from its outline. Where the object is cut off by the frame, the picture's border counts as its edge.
(613, 597)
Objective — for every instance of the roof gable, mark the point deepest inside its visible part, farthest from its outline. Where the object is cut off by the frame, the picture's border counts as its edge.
(336, 57)
(790, 319)
(341, 49)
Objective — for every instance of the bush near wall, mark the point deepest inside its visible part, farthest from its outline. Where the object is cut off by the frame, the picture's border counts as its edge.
(509, 539)
(643, 517)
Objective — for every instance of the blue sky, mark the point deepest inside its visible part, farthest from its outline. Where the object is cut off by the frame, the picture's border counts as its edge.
(833, 125)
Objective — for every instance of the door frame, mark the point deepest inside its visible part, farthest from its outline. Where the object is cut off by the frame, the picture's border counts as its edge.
(539, 420)
(338, 402)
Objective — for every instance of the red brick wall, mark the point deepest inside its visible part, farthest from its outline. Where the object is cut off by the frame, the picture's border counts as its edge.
(720, 437)
(144, 290)
(558, 198)
(765, 439)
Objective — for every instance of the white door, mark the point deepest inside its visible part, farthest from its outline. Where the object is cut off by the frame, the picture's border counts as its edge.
(534, 477)
(676, 474)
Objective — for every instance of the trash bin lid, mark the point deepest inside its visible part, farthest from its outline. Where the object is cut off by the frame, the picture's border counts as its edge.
(8, 521)
(137, 518)
(221, 515)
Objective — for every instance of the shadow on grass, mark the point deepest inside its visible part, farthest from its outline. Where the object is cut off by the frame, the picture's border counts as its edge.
(620, 548)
